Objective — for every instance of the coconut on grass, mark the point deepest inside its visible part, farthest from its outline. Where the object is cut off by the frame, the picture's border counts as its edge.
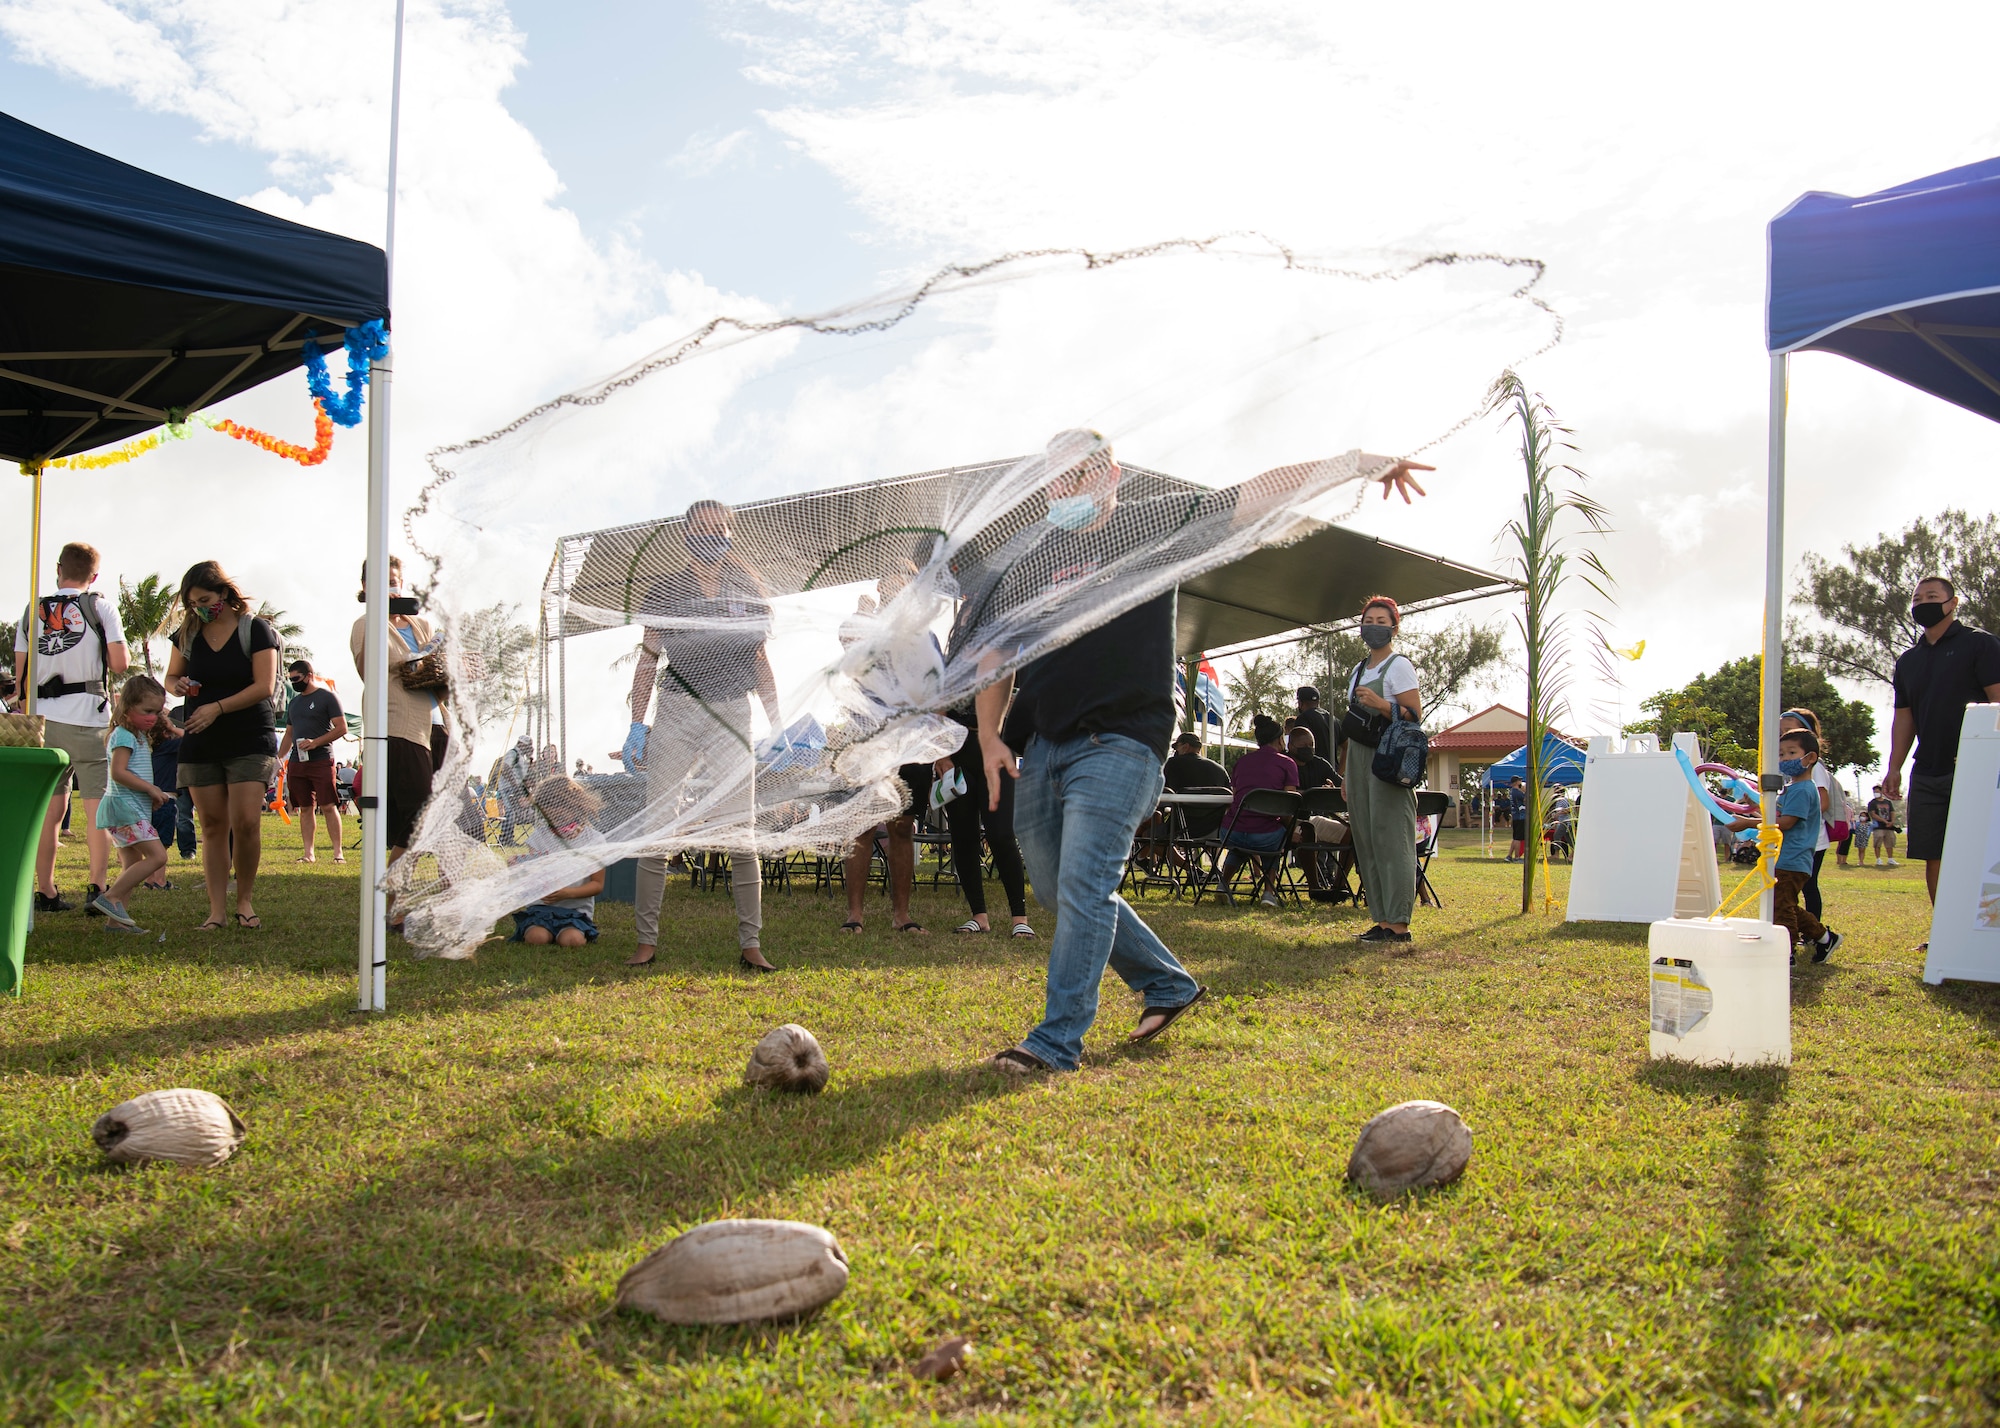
(186, 1126)
(737, 1272)
(1409, 1147)
(787, 1059)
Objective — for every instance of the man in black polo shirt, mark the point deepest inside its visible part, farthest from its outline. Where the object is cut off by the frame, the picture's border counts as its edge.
(1949, 667)
(1091, 725)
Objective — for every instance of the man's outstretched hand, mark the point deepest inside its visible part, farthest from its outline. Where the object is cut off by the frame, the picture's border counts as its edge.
(1398, 478)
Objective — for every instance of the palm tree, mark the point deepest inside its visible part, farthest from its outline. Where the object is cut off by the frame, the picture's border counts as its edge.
(1545, 550)
(144, 610)
(1258, 687)
(288, 633)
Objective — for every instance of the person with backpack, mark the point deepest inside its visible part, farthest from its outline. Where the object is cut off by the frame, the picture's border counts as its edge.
(1382, 814)
(66, 648)
(225, 663)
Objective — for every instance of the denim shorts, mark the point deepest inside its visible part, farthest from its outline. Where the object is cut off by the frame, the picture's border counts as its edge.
(555, 919)
(1269, 842)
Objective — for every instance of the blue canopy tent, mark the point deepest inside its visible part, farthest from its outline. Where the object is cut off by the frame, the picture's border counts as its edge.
(1906, 281)
(128, 301)
(1562, 763)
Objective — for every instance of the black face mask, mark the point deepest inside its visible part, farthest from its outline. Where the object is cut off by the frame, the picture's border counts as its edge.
(301, 685)
(1928, 613)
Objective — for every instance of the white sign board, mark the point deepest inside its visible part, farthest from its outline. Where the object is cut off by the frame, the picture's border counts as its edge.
(1965, 925)
(1644, 852)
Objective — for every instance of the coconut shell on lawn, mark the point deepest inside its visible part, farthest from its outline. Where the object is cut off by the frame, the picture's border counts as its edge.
(182, 1125)
(737, 1272)
(945, 1361)
(1408, 1147)
(787, 1059)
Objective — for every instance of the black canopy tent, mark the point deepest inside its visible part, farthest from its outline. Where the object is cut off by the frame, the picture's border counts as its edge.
(1320, 578)
(128, 301)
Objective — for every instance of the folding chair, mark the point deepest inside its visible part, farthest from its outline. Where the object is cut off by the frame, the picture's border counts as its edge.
(1279, 803)
(1434, 806)
(1333, 862)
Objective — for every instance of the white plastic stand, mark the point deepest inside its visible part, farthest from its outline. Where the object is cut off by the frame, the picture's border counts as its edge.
(1644, 852)
(1965, 924)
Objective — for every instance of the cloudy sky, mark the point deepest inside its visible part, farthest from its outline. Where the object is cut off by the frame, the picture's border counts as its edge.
(582, 180)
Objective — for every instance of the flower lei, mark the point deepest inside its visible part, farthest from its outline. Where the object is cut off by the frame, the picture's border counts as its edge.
(312, 455)
(365, 344)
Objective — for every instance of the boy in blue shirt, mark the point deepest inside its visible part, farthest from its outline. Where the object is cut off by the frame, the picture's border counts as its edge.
(1798, 819)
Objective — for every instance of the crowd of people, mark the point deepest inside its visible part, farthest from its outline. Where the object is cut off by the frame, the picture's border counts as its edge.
(1061, 768)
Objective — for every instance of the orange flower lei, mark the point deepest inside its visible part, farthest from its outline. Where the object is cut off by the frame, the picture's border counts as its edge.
(304, 455)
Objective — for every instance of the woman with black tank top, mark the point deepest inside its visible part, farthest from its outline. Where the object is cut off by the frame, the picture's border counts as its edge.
(225, 663)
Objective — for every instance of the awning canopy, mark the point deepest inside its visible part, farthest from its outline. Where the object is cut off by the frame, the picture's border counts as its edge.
(126, 298)
(1320, 579)
(1906, 281)
(1562, 763)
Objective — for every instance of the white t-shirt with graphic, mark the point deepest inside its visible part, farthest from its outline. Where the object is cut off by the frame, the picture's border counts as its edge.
(66, 649)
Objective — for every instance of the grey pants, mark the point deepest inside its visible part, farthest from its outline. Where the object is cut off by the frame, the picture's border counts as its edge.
(1383, 818)
(690, 737)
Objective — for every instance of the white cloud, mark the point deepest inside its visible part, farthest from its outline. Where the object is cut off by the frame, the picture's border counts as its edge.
(708, 151)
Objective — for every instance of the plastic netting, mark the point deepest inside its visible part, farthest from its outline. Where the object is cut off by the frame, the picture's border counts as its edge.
(793, 652)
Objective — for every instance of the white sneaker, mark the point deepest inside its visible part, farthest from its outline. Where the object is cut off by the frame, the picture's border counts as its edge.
(1892, 863)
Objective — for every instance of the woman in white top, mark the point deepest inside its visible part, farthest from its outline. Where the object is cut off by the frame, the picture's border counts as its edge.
(1382, 817)
(1791, 721)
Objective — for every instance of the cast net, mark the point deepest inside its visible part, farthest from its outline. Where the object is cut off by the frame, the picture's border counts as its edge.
(792, 621)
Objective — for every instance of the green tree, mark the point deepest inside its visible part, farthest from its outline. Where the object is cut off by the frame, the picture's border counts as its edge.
(1258, 687)
(1866, 600)
(288, 632)
(144, 610)
(495, 651)
(1721, 709)
(1451, 661)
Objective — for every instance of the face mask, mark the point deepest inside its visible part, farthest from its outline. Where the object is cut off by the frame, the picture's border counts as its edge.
(1072, 513)
(204, 613)
(1928, 613)
(301, 685)
(141, 723)
(1791, 768)
(708, 546)
(1377, 637)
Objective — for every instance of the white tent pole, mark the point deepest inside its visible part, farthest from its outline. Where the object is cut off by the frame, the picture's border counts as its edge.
(374, 940)
(1774, 602)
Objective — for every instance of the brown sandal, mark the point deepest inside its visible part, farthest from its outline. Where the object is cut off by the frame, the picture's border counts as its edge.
(1168, 1016)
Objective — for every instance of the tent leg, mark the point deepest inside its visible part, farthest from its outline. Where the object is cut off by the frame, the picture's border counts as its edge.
(374, 949)
(34, 592)
(1774, 605)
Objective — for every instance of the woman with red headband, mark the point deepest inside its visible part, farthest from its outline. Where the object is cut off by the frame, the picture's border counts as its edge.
(1382, 817)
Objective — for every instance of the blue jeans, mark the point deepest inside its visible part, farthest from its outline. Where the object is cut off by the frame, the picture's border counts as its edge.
(1075, 810)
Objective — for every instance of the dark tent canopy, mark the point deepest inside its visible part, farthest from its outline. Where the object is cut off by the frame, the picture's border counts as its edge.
(1906, 281)
(126, 298)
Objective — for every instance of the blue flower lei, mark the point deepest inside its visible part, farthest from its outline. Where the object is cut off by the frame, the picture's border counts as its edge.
(365, 344)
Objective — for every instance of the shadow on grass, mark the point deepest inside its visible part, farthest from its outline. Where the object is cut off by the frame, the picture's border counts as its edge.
(534, 1209)
(1743, 1316)
(1977, 1001)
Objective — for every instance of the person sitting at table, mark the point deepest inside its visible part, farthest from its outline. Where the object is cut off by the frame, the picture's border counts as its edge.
(1189, 770)
(1314, 771)
(1261, 833)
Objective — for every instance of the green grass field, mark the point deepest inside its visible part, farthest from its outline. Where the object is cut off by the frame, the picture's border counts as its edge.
(433, 1206)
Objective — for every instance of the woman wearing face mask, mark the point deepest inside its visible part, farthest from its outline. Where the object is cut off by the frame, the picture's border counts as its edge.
(1791, 720)
(405, 785)
(702, 658)
(1381, 816)
(225, 663)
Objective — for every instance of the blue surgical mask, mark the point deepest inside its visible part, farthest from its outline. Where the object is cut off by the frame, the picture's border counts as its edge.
(708, 546)
(1072, 513)
(1377, 637)
(1791, 768)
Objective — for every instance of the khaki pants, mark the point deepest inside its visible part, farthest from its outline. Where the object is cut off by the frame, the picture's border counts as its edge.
(699, 761)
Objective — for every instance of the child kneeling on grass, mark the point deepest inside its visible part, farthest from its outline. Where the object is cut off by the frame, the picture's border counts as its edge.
(564, 916)
(1798, 818)
(126, 811)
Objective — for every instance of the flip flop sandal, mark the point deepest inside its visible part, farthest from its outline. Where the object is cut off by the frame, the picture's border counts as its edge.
(250, 921)
(970, 925)
(854, 927)
(211, 926)
(911, 927)
(1168, 1015)
(1021, 929)
(1016, 1062)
